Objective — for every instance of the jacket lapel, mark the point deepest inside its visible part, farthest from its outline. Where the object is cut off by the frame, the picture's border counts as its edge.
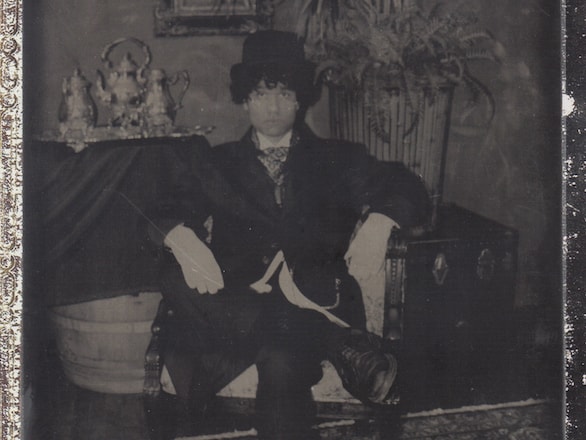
(253, 184)
(300, 184)
(256, 186)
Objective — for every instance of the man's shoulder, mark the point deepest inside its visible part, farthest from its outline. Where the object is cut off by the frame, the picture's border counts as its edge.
(328, 144)
(352, 154)
(226, 146)
(227, 150)
(339, 148)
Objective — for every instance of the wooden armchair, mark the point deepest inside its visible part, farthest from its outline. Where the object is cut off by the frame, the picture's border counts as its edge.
(383, 298)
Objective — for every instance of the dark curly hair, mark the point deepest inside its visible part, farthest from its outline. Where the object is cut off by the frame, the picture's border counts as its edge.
(297, 77)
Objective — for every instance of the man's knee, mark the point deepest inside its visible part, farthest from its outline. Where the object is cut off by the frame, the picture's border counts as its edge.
(287, 369)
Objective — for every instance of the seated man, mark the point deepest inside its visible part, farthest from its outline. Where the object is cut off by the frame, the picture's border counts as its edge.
(275, 285)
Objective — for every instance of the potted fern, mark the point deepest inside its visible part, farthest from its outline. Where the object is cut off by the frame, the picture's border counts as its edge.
(391, 67)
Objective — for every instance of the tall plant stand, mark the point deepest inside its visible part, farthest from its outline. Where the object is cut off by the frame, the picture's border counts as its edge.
(396, 127)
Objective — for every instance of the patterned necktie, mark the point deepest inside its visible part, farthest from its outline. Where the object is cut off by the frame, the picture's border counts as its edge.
(273, 159)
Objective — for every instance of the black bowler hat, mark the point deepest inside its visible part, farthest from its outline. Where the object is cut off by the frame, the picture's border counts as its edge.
(272, 47)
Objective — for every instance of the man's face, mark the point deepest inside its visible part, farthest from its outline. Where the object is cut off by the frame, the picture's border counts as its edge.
(272, 111)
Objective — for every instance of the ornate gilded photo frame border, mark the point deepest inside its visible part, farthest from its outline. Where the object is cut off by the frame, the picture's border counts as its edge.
(211, 17)
(11, 251)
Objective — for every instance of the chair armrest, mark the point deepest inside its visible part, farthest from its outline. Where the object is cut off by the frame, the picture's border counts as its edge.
(153, 360)
(394, 290)
(395, 268)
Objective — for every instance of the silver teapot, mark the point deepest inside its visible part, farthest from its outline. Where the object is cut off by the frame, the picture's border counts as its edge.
(123, 89)
(160, 108)
(77, 110)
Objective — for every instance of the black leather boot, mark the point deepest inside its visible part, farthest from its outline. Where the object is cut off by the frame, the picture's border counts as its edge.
(366, 370)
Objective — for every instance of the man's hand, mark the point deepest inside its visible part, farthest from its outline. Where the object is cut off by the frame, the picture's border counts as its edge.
(366, 253)
(200, 269)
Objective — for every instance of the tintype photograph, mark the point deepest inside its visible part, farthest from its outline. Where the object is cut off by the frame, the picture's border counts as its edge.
(292, 220)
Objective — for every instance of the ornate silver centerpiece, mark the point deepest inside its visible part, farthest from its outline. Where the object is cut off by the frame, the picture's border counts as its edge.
(77, 110)
(138, 100)
(122, 89)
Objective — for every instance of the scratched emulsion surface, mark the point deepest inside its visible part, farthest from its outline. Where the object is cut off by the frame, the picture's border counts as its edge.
(575, 211)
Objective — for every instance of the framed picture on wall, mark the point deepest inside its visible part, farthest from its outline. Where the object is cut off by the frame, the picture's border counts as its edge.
(211, 17)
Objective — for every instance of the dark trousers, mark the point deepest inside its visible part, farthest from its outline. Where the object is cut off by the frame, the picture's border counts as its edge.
(214, 338)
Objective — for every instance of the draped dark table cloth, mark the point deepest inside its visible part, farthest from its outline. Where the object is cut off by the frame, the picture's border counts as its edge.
(86, 213)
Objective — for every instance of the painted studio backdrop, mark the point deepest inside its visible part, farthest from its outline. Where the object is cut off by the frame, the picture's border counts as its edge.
(509, 173)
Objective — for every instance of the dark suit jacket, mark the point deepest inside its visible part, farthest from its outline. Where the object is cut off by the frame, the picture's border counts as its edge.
(327, 185)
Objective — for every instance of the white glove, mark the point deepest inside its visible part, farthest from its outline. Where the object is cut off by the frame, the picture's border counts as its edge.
(366, 254)
(199, 266)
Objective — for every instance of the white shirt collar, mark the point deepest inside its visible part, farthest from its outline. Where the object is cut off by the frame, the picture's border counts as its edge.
(264, 143)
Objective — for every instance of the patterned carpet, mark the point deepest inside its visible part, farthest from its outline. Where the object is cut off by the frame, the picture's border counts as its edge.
(526, 420)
